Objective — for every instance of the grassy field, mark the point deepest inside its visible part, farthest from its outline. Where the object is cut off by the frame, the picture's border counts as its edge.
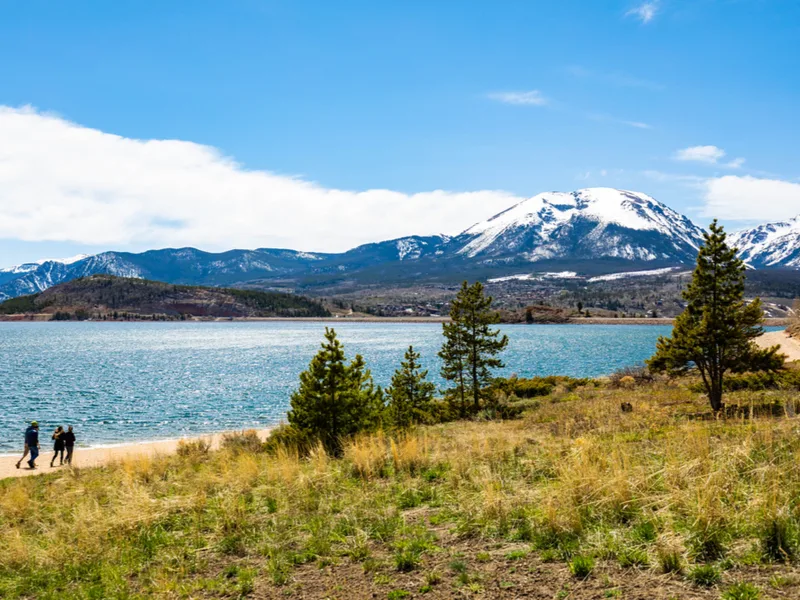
(576, 499)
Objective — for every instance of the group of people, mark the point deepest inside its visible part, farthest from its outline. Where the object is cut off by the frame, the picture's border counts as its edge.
(62, 441)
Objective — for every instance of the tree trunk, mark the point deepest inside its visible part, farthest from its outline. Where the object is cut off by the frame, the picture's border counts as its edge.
(715, 395)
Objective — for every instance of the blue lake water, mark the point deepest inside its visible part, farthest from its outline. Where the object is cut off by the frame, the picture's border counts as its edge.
(120, 382)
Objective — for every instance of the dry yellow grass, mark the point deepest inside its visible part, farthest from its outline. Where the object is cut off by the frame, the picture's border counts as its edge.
(574, 475)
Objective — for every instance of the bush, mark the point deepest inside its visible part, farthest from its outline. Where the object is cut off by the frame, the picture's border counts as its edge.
(536, 387)
(242, 441)
(289, 438)
(630, 376)
(786, 379)
(194, 448)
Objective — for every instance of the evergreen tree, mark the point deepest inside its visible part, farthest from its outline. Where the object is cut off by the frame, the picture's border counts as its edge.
(471, 346)
(715, 332)
(411, 394)
(335, 400)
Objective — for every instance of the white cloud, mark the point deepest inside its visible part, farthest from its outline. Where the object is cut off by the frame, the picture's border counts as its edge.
(529, 98)
(645, 12)
(704, 154)
(750, 198)
(63, 182)
(708, 154)
(736, 163)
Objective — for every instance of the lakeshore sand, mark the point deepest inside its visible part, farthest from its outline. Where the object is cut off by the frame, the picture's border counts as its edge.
(789, 345)
(98, 457)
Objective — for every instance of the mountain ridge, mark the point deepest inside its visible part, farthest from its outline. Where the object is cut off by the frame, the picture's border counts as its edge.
(595, 231)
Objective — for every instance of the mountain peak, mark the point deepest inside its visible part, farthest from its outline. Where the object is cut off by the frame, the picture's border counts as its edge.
(539, 225)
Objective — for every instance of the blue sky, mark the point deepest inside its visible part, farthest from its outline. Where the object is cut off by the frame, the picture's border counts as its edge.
(691, 101)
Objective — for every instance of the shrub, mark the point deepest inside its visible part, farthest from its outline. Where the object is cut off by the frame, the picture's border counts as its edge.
(627, 382)
(290, 438)
(193, 448)
(630, 376)
(706, 575)
(241, 442)
(581, 566)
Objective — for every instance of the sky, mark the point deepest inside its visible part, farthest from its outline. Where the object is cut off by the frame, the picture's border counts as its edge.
(320, 125)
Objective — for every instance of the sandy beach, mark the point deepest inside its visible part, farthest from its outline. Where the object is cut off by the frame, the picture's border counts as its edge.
(97, 457)
(789, 346)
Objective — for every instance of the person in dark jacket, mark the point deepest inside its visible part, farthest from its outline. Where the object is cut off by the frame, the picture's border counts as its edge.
(31, 445)
(69, 444)
(58, 445)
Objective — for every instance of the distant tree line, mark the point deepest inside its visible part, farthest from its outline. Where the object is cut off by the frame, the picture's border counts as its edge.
(123, 294)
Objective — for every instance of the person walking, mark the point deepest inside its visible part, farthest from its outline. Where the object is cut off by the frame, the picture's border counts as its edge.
(31, 445)
(69, 444)
(58, 446)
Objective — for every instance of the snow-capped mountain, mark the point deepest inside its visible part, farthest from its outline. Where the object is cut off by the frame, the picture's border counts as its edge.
(770, 245)
(589, 223)
(589, 233)
(32, 266)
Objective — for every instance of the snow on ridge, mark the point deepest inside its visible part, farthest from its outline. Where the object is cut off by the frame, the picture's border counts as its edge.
(64, 261)
(772, 244)
(626, 274)
(32, 266)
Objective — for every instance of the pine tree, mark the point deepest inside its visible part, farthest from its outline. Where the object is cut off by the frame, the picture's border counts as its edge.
(335, 400)
(411, 394)
(471, 346)
(715, 332)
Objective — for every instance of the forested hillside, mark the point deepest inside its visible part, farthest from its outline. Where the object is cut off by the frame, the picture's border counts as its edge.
(106, 296)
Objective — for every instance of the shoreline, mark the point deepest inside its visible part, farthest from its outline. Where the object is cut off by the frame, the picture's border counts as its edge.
(98, 456)
(768, 322)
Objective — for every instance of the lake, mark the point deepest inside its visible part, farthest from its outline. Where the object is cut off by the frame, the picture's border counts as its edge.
(122, 382)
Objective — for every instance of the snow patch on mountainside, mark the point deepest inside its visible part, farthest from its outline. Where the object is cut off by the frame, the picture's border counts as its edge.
(625, 275)
(536, 276)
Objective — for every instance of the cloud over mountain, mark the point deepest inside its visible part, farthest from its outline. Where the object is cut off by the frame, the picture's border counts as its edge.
(60, 181)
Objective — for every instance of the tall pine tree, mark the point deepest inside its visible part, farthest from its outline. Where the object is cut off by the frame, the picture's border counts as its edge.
(715, 332)
(411, 394)
(471, 347)
(335, 400)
